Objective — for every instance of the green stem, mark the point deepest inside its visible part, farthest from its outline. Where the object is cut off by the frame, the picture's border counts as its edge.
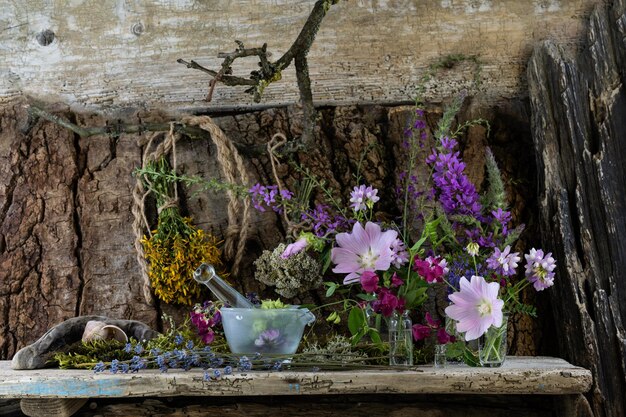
(493, 342)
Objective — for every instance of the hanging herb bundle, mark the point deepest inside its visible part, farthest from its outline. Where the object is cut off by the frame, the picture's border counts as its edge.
(176, 248)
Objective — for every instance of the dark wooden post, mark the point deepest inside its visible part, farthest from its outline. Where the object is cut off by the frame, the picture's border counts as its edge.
(579, 129)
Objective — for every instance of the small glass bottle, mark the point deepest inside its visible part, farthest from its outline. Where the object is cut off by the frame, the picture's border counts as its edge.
(440, 356)
(205, 274)
(400, 339)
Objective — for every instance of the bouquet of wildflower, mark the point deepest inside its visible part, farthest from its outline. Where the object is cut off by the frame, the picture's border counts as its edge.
(477, 246)
(463, 240)
(474, 256)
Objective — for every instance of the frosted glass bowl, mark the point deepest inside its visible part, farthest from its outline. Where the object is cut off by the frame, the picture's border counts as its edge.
(266, 331)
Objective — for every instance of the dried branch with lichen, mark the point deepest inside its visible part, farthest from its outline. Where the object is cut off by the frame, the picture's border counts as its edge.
(270, 72)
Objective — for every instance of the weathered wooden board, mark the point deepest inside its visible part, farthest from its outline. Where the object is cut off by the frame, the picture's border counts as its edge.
(116, 53)
(519, 375)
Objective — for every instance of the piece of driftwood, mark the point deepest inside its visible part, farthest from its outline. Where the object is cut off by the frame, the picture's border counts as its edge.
(579, 130)
(519, 375)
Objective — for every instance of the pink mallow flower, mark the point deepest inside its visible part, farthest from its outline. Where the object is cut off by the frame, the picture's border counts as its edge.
(369, 281)
(365, 249)
(540, 269)
(476, 307)
(295, 247)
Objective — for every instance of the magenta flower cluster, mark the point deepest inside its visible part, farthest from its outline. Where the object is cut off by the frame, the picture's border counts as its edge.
(386, 301)
(421, 331)
(432, 269)
(205, 317)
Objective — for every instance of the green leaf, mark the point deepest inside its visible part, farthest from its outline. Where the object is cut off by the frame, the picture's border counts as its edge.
(325, 261)
(416, 297)
(416, 247)
(358, 336)
(455, 350)
(366, 297)
(356, 320)
(332, 286)
(470, 358)
(375, 336)
(430, 229)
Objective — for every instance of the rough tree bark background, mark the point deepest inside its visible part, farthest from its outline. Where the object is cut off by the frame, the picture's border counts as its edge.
(579, 130)
(66, 236)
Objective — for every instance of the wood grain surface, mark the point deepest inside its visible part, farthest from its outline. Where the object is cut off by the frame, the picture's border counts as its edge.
(111, 54)
(519, 375)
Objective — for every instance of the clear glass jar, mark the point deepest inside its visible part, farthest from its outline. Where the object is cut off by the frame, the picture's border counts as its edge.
(492, 345)
(400, 339)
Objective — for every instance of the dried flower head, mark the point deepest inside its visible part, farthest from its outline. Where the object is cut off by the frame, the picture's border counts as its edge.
(295, 274)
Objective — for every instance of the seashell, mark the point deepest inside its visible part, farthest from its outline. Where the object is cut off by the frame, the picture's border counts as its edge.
(99, 330)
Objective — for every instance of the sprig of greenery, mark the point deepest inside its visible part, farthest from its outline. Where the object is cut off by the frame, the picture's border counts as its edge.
(321, 185)
(171, 177)
(495, 197)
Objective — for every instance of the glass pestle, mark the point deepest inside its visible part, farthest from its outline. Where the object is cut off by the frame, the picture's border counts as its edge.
(205, 274)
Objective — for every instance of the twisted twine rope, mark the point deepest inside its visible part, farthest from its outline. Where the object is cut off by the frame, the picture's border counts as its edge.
(234, 171)
(278, 140)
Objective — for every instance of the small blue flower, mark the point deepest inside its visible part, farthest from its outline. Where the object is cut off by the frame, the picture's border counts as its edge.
(228, 370)
(245, 364)
(217, 374)
(160, 360)
(189, 344)
(100, 367)
(179, 340)
(207, 376)
(128, 348)
(125, 368)
(114, 366)
(195, 359)
(138, 349)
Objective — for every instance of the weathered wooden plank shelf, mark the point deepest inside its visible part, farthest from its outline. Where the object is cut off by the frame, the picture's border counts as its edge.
(519, 375)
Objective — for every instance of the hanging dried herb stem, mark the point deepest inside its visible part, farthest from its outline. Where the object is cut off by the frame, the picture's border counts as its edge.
(176, 248)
